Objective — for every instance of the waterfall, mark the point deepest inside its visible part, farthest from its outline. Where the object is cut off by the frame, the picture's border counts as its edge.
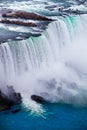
(51, 65)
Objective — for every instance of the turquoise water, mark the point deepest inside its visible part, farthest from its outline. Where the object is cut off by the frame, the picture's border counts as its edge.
(56, 117)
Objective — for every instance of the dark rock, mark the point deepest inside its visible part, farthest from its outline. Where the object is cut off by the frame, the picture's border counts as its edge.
(18, 22)
(25, 15)
(6, 102)
(4, 107)
(13, 96)
(71, 11)
(37, 98)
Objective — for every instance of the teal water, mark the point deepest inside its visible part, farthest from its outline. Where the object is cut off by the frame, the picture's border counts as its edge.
(56, 117)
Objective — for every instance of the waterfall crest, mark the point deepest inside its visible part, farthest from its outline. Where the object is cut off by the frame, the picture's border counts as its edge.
(57, 58)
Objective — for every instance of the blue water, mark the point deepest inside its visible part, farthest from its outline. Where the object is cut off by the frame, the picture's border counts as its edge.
(56, 117)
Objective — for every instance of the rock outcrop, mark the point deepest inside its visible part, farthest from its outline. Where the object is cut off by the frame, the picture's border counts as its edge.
(16, 18)
(6, 102)
(37, 98)
(24, 15)
(18, 22)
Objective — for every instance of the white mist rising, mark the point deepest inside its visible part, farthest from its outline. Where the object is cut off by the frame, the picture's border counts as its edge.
(52, 65)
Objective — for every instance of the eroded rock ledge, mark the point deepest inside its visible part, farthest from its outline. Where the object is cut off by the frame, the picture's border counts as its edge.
(35, 24)
(17, 17)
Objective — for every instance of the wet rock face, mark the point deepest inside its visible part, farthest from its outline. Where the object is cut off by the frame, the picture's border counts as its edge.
(6, 102)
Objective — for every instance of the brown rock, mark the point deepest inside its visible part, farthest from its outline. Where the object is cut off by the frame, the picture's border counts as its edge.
(18, 22)
(25, 15)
